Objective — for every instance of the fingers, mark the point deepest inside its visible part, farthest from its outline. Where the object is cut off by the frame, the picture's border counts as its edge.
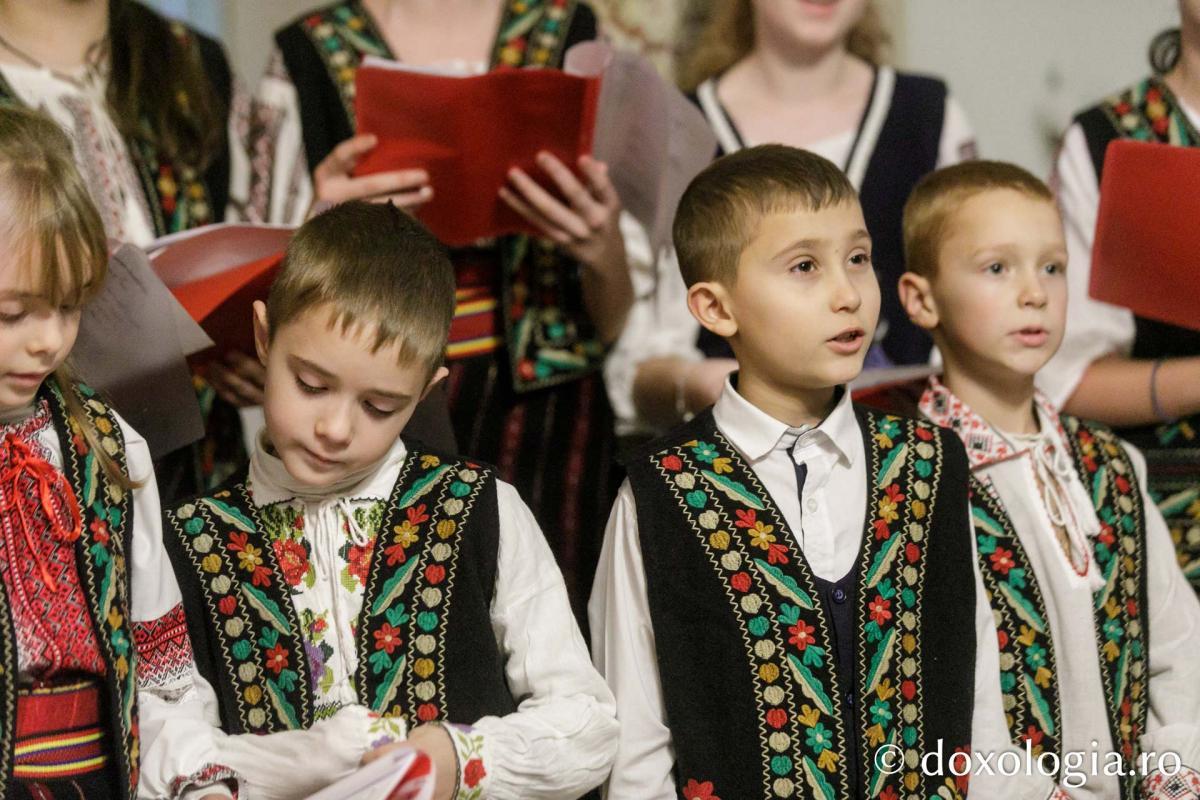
(237, 380)
(548, 206)
(536, 218)
(596, 173)
(344, 157)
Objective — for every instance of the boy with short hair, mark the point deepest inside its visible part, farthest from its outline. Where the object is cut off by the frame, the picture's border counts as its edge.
(356, 589)
(1098, 630)
(787, 604)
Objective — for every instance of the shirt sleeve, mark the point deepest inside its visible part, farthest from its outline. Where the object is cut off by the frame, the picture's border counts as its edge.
(280, 186)
(241, 110)
(624, 651)
(178, 749)
(958, 138)
(659, 324)
(1094, 329)
(560, 741)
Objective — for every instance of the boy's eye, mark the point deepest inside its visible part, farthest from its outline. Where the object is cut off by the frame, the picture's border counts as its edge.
(377, 412)
(995, 268)
(861, 259)
(308, 388)
(11, 318)
(804, 265)
(1054, 269)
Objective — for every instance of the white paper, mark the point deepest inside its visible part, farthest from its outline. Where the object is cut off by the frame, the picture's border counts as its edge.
(212, 249)
(133, 341)
(400, 774)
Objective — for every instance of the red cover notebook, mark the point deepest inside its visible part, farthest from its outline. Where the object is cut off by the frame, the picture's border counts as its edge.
(1145, 257)
(467, 132)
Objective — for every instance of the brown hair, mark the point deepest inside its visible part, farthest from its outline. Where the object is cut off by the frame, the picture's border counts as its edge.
(375, 265)
(728, 36)
(158, 89)
(939, 194)
(47, 219)
(721, 207)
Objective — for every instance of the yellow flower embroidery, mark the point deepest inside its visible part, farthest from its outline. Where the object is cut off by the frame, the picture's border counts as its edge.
(250, 558)
(762, 536)
(406, 534)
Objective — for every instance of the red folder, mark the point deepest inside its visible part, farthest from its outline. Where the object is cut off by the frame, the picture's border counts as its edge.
(1146, 255)
(467, 132)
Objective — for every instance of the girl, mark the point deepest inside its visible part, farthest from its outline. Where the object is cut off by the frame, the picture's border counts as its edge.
(807, 75)
(534, 315)
(93, 641)
(1141, 376)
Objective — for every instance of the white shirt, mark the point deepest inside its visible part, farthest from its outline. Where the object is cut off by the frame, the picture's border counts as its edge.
(1174, 624)
(560, 741)
(1094, 329)
(659, 324)
(622, 632)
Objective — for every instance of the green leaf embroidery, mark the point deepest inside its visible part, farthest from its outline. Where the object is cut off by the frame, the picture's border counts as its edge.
(422, 486)
(282, 706)
(1037, 703)
(784, 583)
(735, 491)
(1025, 609)
(984, 520)
(816, 781)
(229, 514)
(388, 686)
(393, 587)
(810, 685)
(881, 660)
(893, 462)
(267, 609)
(883, 560)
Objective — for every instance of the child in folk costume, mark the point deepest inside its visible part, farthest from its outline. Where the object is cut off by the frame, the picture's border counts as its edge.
(96, 673)
(787, 582)
(1098, 630)
(355, 588)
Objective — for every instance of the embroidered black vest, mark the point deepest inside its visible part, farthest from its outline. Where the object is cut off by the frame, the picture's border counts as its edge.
(1028, 673)
(430, 583)
(906, 150)
(178, 196)
(747, 650)
(102, 553)
(548, 336)
(1149, 112)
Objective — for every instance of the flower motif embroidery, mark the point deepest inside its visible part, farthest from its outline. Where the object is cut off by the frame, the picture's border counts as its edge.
(474, 772)
(880, 610)
(801, 635)
(1002, 560)
(705, 452)
(292, 556)
(277, 659)
(695, 790)
(818, 738)
(387, 638)
(762, 535)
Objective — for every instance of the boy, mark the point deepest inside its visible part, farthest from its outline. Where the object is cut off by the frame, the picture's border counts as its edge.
(761, 640)
(1099, 633)
(355, 589)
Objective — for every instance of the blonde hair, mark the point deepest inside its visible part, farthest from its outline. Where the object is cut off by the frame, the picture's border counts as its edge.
(727, 37)
(931, 206)
(375, 265)
(48, 219)
(722, 206)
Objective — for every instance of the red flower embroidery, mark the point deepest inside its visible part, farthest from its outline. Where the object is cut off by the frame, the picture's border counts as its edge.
(888, 793)
(360, 561)
(277, 659)
(474, 772)
(293, 560)
(894, 494)
(777, 553)
(99, 529)
(1033, 735)
(777, 718)
(395, 554)
(699, 791)
(912, 552)
(227, 604)
(435, 574)
(741, 582)
(908, 689)
(801, 635)
(427, 712)
(880, 609)
(1002, 560)
(387, 638)
(1106, 534)
(1123, 484)
(417, 515)
(882, 531)
(673, 463)
(746, 519)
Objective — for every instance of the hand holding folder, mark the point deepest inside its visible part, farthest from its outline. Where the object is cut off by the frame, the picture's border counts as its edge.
(1146, 255)
(400, 774)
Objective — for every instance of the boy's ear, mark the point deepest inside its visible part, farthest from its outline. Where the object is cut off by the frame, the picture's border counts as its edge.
(712, 307)
(438, 376)
(262, 331)
(916, 296)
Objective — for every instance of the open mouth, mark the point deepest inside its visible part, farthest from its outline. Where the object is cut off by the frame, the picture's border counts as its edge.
(1032, 336)
(848, 341)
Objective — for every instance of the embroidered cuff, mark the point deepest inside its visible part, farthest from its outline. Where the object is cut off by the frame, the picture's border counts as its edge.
(385, 730)
(203, 781)
(472, 771)
(1171, 784)
(164, 653)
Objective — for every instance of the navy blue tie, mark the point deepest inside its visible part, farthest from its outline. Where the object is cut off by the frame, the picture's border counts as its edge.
(801, 476)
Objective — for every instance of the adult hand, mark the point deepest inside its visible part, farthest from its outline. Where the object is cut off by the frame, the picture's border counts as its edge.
(334, 183)
(587, 225)
(237, 379)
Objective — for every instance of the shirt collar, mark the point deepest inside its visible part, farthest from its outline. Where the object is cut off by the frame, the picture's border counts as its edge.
(270, 482)
(984, 444)
(755, 433)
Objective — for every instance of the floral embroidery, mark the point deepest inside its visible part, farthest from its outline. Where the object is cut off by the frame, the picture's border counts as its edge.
(468, 747)
(695, 790)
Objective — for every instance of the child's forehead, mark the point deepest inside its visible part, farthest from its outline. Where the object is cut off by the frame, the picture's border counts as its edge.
(320, 334)
(836, 222)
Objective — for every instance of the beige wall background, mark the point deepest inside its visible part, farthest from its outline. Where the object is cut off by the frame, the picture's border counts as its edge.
(1020, 68)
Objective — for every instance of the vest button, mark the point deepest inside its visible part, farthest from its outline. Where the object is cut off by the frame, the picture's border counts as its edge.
(839, 595)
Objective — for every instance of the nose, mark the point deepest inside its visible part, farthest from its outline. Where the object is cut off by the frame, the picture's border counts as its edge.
(1033, 292)
(335, 424)
(844, 294)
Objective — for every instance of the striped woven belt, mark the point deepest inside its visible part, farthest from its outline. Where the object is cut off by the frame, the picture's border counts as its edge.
(59, 734)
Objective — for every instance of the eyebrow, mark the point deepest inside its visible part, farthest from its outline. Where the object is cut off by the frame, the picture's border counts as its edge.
(399, 397)
(808, 244)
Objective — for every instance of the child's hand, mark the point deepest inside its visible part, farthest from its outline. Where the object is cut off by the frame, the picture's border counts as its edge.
(434, 741)
(704, 381)
(238, 379)
(333, 182)
(588, 228)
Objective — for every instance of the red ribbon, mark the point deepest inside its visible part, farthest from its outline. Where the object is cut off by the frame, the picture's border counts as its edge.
(55, 494)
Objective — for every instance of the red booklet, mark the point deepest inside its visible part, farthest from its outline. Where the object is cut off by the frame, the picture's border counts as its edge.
(1145, 252)
(467, 132)
(217, 272)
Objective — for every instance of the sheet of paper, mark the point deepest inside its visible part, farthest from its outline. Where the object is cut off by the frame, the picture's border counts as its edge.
(211, 249)
(400, 774)
(1144, 256)
(132, 346)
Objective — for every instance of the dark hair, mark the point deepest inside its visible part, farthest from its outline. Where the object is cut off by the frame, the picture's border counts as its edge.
(720, 210)
(375, 266)
(1164, 51)
(158, 90)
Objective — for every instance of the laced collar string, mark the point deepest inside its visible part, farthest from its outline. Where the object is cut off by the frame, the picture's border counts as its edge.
(54, 498)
